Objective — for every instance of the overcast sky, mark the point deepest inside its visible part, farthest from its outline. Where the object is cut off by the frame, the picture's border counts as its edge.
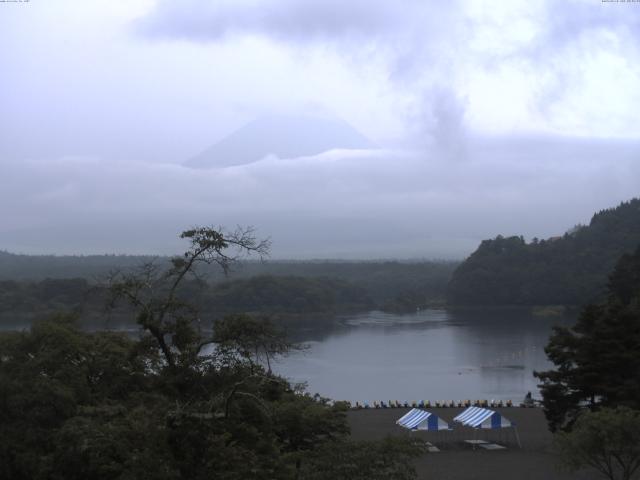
(491, 117)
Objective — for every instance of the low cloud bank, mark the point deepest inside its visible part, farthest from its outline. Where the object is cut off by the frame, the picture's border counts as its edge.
(340, 204)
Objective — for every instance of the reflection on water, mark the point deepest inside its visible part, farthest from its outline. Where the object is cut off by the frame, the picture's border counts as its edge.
(427, 317)
(430, 355)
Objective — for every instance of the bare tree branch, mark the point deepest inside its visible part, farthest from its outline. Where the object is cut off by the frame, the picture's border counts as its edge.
(154, 293)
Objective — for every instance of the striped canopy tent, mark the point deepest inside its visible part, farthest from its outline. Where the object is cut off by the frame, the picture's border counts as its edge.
(478, 417)
(417, 419)
(483, 418)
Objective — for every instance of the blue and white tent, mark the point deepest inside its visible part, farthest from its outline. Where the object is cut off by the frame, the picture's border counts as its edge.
(478, 417)
(483, 418)
(417, 419)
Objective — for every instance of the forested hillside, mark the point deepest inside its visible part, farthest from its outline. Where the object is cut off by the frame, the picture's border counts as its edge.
(32, 286)
(287, 294)
(570, 270)
(38, 267)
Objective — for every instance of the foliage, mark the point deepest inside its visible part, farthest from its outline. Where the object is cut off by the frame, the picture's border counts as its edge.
(287, 294)
(77, 405)
(278, 295)
(102, 405)
(47, 376)
(569, 270)
(291, 287)
(607, 440)
(390, 459)
(154, 292)
(250, 339)
(598, 360)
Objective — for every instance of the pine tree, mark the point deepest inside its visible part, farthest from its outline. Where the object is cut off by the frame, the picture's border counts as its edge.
(598, 359)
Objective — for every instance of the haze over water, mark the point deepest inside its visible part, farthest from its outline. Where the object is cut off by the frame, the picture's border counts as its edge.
(429, 355)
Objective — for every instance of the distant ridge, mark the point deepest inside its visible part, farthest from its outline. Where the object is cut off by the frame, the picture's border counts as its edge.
(572, 269)
(283, 136)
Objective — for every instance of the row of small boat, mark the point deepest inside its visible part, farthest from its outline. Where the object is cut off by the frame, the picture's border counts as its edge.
(438, 404)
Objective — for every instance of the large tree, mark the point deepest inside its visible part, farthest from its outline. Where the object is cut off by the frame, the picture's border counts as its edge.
(598, 359)
(77, 405)
(607, 440)
(155, 292)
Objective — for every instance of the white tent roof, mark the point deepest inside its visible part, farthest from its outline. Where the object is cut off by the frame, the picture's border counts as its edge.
(478, 417)
(417, 419)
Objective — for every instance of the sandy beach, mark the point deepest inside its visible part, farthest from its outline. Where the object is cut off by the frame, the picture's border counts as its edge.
(458, 460)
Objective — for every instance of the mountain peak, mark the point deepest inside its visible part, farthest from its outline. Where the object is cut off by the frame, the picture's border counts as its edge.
(285, 136)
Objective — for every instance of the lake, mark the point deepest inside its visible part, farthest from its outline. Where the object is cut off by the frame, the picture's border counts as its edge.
(428, 355)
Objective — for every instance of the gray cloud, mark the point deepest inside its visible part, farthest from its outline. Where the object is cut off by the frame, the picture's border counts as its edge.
(405, 29)
(445, 70)
(568, 21)
(437, 123)
(286, 19)
(429, 50)
(357, 204)
(406, 38)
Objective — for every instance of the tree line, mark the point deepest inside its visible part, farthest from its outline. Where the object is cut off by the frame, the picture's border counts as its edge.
(359, 289)
(567, 270)
(177, 402)
(263, 295)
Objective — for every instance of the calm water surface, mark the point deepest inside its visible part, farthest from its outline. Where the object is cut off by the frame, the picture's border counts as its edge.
(430, 355)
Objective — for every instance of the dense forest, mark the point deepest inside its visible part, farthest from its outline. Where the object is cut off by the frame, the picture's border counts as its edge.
(104, 405)
(21, 302)
(400, 283)
(283, 288)
(569, 270)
